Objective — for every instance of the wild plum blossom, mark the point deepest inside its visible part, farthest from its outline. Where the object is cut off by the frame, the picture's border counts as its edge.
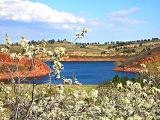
(133, 102)
(15, 56)
(129, 83)
(76, 94)
(94, 93)
(119, 85)
(7, 89)
(4, 50)
(1, 109)
(58, 52)
(144, 80)
(81, 34)
(155, 90)
(143, 65)
(31, 103)
(1, 106)
(29, 54)
(8, 41)
(109, 104)
(137, 86)
(85, 30)
(24, 43)
(49, 53)
(60, 89)
(57, 67)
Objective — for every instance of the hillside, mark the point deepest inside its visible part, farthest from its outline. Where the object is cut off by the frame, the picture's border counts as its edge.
(97, 50)
(133, 63)
(10, 69)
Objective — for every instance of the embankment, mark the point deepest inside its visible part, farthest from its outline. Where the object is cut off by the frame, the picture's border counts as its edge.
(133, 64)
(13, 69)
(92, 59)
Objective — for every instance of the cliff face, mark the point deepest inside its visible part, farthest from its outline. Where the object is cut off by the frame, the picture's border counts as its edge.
(8, 68)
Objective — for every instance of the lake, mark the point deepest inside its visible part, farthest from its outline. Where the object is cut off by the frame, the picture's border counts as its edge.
(87, 72)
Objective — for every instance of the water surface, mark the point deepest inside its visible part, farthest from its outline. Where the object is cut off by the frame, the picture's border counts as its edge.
(87, 72)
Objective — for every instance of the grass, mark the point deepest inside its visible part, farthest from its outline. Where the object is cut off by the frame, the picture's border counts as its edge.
(92, 50)
(153, 68)
(67, 88)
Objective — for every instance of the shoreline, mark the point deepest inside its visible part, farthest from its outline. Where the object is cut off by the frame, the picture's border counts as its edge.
(89, 59)
(41, 68)
(128, 69)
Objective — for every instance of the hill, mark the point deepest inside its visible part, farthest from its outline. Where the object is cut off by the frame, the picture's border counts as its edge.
(133, 63)
(10, 69)
(97, 50)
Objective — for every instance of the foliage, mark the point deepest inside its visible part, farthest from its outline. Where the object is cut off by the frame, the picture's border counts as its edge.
(123, 80)
(125, 102)
(15, 102)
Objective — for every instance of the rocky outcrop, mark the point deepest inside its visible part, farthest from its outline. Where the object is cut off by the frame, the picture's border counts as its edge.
(8, 68)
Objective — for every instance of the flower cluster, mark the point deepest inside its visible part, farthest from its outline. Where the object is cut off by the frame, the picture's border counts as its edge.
(81, 34)
(24, 43)
(15, 56)
(31, 51)
(145, 70)
(58, 67)
(15, 101)
(5, 50)
(124, 102)
(56, 56)
(8, 41)
(130, 102)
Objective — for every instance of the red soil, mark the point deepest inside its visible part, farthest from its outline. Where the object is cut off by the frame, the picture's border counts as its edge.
(41, 69)
(128, 69)
(88, 59)
(155, 57)
(92, 59)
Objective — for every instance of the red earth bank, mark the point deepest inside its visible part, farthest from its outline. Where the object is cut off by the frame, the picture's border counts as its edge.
(41, 69)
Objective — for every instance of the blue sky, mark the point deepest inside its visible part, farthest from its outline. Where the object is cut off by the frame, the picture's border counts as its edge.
(107, 20)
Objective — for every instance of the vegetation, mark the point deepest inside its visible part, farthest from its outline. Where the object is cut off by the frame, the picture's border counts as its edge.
(57, 102)
(120, 99)
(108, 49)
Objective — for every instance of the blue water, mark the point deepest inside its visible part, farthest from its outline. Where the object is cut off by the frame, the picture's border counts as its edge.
(87, 72)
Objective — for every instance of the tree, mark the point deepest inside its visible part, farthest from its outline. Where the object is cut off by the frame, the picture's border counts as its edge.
(15, 101)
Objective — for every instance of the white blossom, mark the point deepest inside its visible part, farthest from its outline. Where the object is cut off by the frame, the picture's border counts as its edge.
(143, 65)
(94, 93)
(119, 86)
(129, 83)
(4, 50)
(24, 43)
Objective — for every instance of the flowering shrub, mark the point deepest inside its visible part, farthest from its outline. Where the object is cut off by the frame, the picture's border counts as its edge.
(15, 101)
(150, 73)
(129, 101)
(122, 102)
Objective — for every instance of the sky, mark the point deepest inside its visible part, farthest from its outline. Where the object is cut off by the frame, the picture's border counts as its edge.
(107, 20)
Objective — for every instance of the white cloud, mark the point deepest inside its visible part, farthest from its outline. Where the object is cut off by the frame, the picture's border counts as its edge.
(27, 11)
(124, 16)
